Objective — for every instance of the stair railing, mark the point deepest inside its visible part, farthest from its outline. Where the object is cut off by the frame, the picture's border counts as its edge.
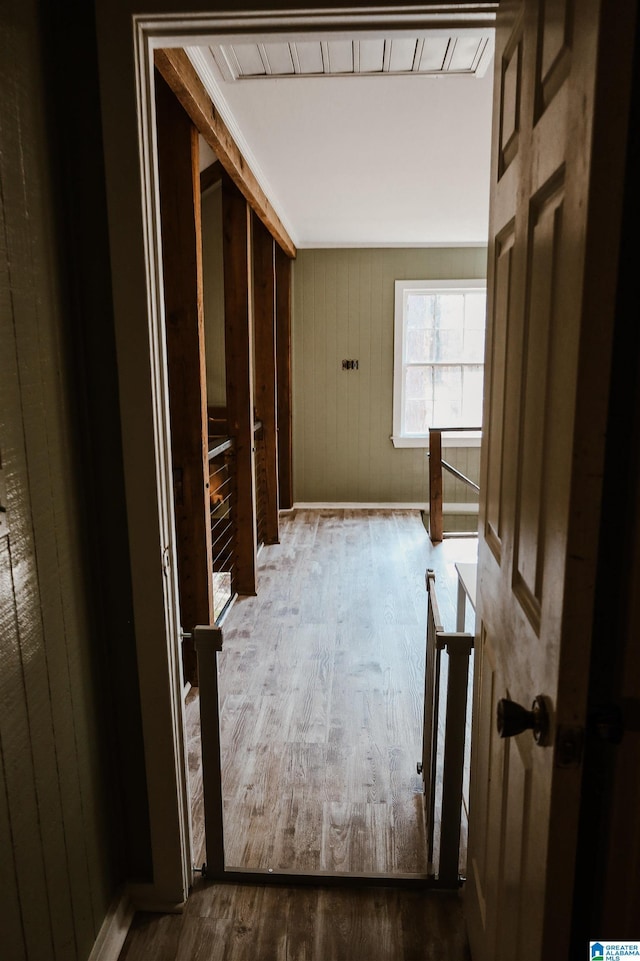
(443, 744)
(436, 464)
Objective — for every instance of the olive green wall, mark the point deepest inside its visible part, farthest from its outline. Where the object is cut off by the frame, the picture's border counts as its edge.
(73, 806)
(343, 306)
(55, 867)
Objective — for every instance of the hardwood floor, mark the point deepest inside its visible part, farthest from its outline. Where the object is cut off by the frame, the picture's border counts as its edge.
(321, 700)
(230, 922)
(321, 694)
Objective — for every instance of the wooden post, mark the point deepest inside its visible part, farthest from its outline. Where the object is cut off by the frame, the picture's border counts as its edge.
(208, 642)
(283, 364)
(236, 239)
(264, 292)
(182, 270)
(459, 648)
(435, 485)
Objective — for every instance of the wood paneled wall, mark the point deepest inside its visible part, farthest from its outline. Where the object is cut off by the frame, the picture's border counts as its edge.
(179, 178)
(57, 850)
(213, 283)
(343, 304)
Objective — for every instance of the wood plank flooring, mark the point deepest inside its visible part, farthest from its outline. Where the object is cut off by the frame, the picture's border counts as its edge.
(230, 922)
(321, 690)
(321, 680)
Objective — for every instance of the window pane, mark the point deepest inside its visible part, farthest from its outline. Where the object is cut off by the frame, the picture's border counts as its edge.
(474, 323)
(419, 328)
(443, 333)
(443, 396)
(475, 311)
(447, 408)
(442, 327)
(449, 323)
(419, 345)
(450, 344)
(473, 350)
(450, 311)
(418, 311)
(472, 380)
(418, 406)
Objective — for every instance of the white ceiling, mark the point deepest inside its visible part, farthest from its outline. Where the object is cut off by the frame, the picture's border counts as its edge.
(360, 155)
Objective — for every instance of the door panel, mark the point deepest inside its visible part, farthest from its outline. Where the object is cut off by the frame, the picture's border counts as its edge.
(538, 531)
(485, 794)
(495, 450)
(517, 775)
(534, 494)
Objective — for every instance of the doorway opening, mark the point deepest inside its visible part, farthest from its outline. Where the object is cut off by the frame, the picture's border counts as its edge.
(157, 43)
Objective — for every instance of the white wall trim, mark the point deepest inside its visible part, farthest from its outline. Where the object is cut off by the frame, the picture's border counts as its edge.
(460, 439)
(114, 929)
(358, 505)
(147, 133)
(369, 244)
(447, 508)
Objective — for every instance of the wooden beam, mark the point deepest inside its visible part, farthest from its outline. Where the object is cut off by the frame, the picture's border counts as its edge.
(435, 485)
(264, 294)
(283, 364)
(180, 74)
(236, 240)
(211, 175)
(182, 269)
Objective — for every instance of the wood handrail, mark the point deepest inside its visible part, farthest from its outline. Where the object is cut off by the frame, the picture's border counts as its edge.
(220, 446)
(460, 430)
(458, 647)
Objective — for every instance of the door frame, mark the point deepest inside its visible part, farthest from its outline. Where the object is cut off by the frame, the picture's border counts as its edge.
(127, 34)
(129, 132)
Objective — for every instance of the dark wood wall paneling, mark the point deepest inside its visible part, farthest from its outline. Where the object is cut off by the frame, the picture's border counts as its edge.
(182, 267)
(252, 246)
(264, 299)
(238, 284)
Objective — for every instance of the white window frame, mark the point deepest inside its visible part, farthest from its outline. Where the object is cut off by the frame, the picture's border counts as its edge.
(399, 438)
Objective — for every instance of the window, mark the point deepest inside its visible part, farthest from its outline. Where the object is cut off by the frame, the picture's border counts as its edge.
(438, 359)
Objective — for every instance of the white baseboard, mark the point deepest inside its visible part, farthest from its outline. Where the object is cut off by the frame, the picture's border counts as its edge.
(358, 505)
(449, 507)
(114, 929)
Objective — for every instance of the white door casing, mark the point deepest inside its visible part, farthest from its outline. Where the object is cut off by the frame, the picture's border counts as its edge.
(127, 34)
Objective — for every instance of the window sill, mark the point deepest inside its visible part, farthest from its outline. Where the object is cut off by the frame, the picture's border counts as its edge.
(450, 439)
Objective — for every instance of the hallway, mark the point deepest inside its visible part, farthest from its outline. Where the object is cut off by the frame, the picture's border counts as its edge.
(321, 694)
(232, 922)
(321, 690)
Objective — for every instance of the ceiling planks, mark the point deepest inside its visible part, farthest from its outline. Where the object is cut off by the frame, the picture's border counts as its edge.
(440, 53)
